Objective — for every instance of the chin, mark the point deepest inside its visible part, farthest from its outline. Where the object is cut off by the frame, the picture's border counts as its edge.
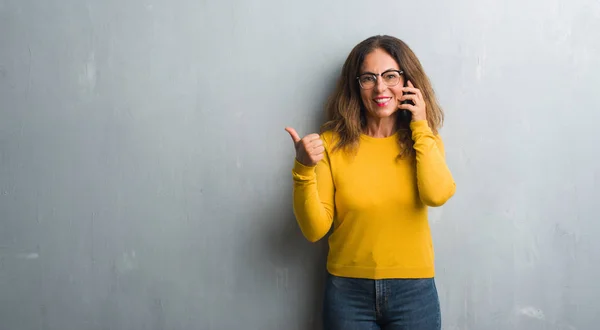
(384, 113)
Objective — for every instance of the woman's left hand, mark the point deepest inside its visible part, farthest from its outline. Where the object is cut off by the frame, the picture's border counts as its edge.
(413, 94)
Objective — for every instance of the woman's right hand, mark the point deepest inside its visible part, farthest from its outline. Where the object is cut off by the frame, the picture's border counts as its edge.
(309, 149)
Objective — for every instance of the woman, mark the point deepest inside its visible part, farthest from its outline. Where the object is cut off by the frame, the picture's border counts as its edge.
(371, 173)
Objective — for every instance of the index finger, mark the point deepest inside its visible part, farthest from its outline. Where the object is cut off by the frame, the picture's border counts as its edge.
(312, 137)
(412, 89)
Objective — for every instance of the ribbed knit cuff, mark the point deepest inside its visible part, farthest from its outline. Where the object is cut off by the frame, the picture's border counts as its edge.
(303, 170)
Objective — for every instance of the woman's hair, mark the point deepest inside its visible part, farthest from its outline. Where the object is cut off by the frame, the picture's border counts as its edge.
(345, 112)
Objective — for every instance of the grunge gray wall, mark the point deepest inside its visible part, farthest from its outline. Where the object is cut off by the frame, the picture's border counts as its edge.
(145, 174)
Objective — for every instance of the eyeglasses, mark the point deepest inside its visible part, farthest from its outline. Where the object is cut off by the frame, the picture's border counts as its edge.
(390, 78)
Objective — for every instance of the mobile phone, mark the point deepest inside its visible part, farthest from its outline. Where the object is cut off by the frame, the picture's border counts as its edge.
(406, 114)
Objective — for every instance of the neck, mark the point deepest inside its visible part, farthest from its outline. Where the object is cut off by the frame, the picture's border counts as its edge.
(380, 127)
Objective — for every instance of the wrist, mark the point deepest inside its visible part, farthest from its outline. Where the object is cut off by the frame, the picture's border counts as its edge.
(415, 119)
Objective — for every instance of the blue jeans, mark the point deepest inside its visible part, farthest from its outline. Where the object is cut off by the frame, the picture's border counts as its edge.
(388, 304)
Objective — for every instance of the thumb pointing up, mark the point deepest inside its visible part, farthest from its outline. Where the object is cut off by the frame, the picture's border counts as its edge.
(293, 134)
(309, 150)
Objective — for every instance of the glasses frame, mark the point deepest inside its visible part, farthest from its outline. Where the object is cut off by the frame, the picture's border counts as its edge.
(400, 72)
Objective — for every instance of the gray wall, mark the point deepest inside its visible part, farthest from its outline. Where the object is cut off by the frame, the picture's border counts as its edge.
(145, 171)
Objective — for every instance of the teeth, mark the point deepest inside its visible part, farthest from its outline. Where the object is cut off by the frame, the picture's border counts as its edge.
(382, 100)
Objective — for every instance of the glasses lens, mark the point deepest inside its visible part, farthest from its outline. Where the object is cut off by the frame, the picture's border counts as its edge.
(391, 78)
(367, 81)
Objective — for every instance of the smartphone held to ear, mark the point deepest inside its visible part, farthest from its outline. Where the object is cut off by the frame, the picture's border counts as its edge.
(406, 114)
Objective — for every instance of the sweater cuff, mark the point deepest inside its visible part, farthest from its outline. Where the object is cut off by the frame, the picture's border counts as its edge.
(420, 129)
(303, 170)
(421, 126)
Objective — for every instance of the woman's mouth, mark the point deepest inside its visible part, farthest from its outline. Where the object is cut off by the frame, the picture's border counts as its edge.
(382, 101)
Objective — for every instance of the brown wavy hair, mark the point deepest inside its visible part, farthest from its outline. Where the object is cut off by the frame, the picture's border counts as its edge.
(345, 112)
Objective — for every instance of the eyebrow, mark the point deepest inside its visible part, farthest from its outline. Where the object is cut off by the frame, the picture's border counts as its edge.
(369, 72)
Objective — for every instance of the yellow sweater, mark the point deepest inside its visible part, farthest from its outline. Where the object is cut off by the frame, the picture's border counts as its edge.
(376, 203)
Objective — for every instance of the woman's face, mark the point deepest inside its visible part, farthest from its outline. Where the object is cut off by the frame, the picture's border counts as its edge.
(381, 100)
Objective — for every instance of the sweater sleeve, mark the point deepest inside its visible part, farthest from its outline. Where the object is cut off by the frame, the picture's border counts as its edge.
(313, 198)
(434, 179)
